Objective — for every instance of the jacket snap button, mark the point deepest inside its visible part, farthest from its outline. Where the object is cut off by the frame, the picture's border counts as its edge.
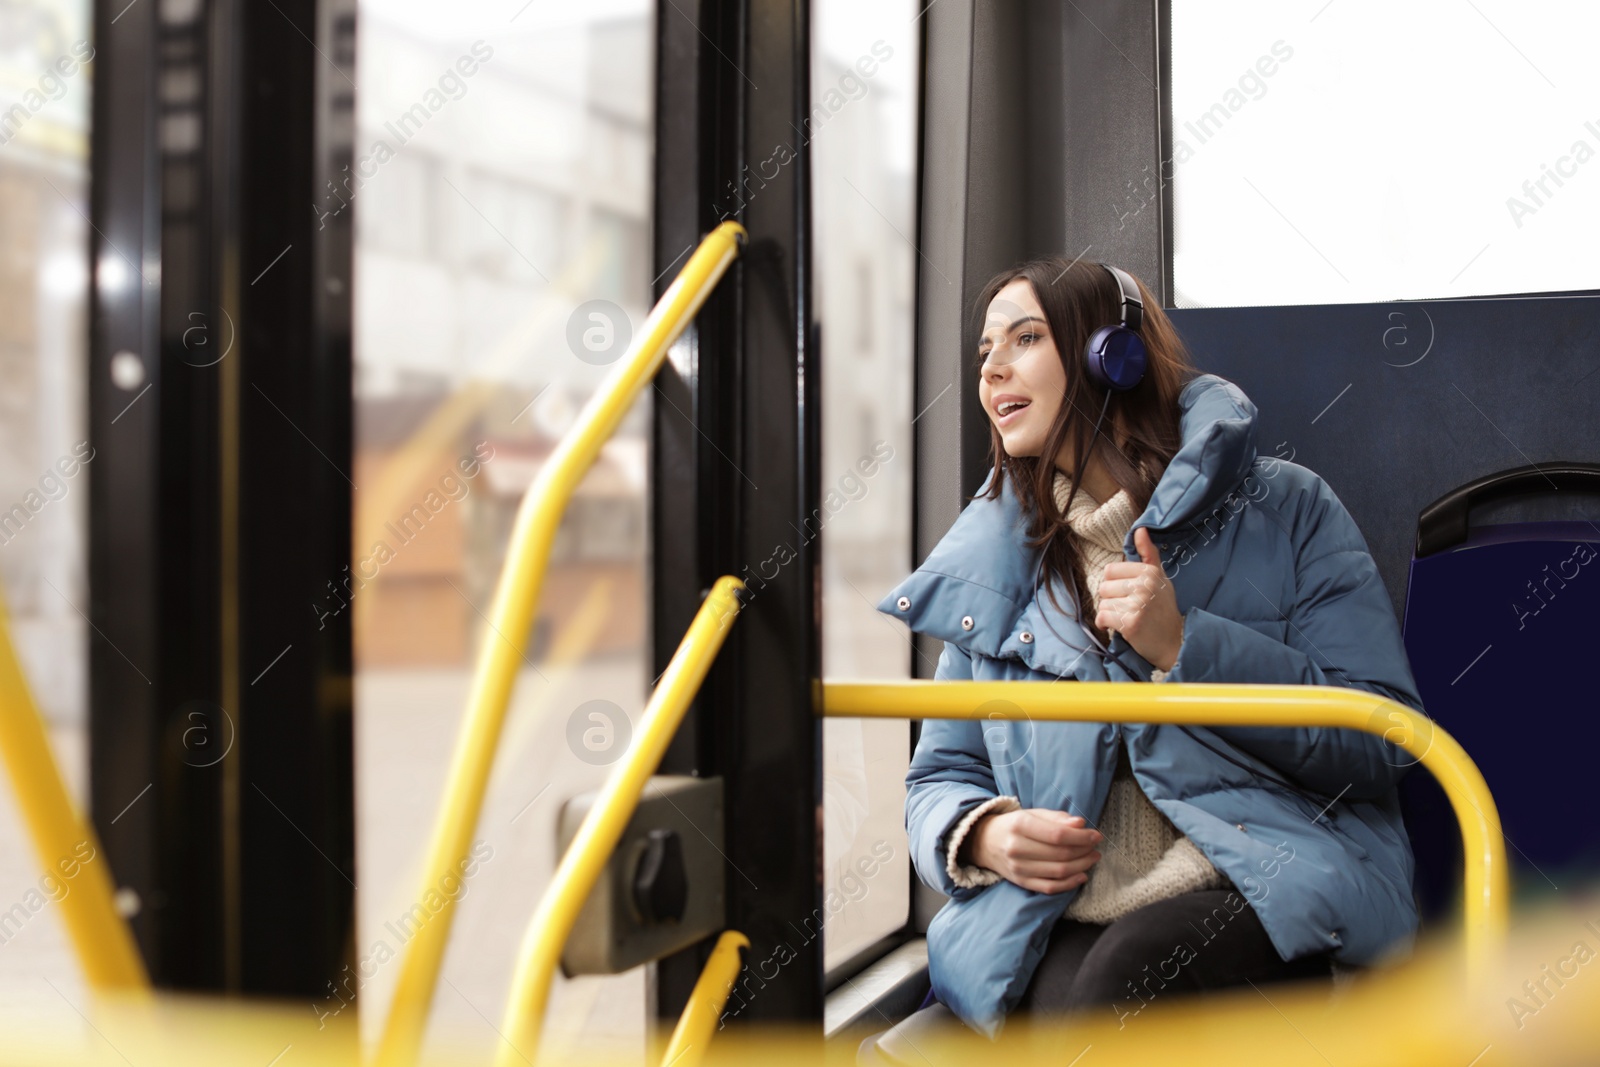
(904, 603)
(966, 622)
(1240, 825)
(1025, 637)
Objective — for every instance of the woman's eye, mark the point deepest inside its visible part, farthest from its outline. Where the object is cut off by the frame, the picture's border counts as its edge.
(1028, 338)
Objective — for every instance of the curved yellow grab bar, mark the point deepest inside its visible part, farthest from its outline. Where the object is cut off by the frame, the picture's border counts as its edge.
(1416, 1015)
(511, 616)
(602, 828)
(62, 839)
(710, 995)
(1486, 904)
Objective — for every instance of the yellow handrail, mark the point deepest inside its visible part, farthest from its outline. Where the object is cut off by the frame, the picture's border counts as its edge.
(692, 1035)
(591, 847)
(63, 840)
(511, 616)
(1486, 904)
(1416, 1014)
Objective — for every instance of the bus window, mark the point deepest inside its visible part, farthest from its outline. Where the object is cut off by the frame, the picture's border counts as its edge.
(46, 459)
(862, 131)
(502, 198)
(1370, 151)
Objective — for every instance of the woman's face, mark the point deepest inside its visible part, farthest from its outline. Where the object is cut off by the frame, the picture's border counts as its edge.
(1021, 381)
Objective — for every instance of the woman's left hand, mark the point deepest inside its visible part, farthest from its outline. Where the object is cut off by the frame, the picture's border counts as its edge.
(1137, 600)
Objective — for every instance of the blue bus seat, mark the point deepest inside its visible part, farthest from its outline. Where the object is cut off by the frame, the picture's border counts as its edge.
(1502, 626)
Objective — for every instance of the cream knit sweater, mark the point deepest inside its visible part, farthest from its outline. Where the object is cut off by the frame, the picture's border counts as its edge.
(1143, 858)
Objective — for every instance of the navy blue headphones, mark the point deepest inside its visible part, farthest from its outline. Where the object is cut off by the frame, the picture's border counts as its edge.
(1115, 354)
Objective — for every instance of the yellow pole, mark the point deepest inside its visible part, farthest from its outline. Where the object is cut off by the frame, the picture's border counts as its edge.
(63, 841)
(511, 616)
(597, 837)
(1487, 900)
(699, 1019)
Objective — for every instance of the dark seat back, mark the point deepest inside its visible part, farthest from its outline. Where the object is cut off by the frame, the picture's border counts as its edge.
(1502, 625)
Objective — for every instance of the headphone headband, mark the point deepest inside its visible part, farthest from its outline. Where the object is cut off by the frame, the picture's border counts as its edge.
(1132, 305)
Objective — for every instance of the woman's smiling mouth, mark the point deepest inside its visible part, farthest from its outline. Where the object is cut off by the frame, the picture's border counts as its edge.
(1008, 408)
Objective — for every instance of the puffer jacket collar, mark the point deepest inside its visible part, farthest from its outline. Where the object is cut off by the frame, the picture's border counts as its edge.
(978, 588)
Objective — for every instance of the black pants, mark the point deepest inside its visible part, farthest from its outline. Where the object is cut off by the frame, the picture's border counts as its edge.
(1190, 943)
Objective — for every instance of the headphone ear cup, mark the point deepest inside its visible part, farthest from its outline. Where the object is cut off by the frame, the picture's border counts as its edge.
(1115, 358)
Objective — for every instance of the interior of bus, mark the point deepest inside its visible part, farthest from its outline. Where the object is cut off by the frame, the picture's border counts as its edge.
(456, 456)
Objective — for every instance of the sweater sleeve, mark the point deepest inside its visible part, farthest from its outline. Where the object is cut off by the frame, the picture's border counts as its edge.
(968, 875)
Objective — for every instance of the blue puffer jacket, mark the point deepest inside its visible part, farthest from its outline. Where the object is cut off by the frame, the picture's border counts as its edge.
(1276, 585)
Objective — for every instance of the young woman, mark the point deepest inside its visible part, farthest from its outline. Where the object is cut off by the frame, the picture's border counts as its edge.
(1131, 531)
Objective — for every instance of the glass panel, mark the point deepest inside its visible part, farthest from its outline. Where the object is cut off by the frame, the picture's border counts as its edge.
(507, 185)
(1359, 150)
(863, 132)
(45, 461)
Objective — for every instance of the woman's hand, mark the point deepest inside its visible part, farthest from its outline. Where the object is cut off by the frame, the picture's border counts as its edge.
(1036, 848)
(1137, 600)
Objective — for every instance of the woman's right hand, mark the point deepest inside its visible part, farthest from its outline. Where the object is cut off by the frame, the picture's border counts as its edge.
(1040, 849)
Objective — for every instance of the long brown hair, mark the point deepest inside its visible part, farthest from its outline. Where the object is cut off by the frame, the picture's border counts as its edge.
(1140, 434)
